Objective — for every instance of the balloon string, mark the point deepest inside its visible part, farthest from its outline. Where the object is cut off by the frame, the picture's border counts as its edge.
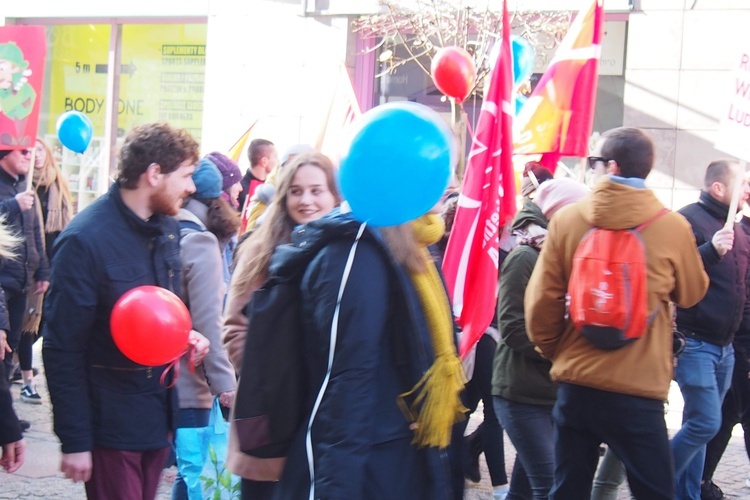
(174, 366)
(191, 357)
(468, 122)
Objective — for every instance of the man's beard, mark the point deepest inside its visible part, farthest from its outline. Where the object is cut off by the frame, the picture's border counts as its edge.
(162, 203)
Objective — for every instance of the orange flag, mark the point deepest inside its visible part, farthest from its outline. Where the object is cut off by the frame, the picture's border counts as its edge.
(235, 152)
(558, 116)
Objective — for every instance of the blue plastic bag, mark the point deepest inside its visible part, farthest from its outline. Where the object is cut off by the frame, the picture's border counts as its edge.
(201, 452)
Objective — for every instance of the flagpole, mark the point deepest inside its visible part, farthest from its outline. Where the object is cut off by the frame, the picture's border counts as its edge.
(30, 175)
(739, 183)
(582, 170)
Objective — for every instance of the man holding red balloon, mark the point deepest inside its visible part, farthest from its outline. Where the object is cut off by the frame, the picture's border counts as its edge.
(114, 415)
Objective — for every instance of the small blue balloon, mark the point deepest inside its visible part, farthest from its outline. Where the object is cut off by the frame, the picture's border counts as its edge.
(520, 100)
(397, 164)
(523, 59)
(74, 130)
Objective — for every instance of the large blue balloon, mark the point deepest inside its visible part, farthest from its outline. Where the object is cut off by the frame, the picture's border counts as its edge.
(523, 59)
(74, 130)
(398, 163)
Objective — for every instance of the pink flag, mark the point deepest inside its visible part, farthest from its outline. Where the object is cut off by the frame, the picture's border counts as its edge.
(487, 201)
(22, 53)
(557, 118)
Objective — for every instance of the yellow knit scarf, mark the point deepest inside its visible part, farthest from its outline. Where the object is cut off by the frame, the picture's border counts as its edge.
(437, 403)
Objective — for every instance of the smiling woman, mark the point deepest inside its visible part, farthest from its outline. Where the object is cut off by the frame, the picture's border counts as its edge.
(306, 192)
(309, 196)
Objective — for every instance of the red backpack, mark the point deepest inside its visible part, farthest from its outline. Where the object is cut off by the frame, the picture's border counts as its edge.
(608, 286)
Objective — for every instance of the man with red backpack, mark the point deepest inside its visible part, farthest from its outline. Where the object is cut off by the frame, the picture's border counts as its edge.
(704, 371)
(615, 394)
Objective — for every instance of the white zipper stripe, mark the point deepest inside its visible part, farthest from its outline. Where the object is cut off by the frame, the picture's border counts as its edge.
(331, 349)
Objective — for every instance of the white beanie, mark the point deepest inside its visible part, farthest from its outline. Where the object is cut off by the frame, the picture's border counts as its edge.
(554, 194)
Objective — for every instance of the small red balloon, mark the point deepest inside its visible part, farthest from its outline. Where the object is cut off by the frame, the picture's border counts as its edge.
(454, 72)
(150, 325)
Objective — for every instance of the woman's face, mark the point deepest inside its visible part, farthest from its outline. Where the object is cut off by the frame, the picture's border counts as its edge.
(309, 197)
(40, 155)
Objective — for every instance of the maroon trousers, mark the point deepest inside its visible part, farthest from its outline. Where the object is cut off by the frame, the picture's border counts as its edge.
(125, 475)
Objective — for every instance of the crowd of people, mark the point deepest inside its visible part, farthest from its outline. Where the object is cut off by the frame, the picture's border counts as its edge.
(378, 341)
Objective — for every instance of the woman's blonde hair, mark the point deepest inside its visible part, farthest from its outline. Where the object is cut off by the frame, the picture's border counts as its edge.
(404, 247)
(9, 242)
(254, 255)
(51, 163)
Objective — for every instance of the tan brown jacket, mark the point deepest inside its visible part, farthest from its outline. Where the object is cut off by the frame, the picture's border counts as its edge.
(233, 336)
(675, 272)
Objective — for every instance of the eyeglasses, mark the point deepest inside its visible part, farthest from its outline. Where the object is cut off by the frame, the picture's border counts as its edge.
(593, 160)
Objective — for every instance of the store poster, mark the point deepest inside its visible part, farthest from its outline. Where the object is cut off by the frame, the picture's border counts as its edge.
(22, 53)
(162, 74)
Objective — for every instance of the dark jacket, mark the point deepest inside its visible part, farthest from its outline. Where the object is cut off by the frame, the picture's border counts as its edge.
(31, 265)
(519, 372)
(100, 397)
(716, 318)
(361, 441)
(742, 337)
(247, 179)
(10, 431)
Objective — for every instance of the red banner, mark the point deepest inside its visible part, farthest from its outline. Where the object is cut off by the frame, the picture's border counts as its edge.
(486, 203)
(22, 52)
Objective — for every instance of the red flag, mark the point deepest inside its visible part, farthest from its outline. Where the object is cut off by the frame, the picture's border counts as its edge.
(22, 53)
(558, 116)
(487, 201)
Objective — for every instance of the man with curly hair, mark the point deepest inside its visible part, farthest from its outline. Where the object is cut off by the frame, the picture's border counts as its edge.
(114, 417)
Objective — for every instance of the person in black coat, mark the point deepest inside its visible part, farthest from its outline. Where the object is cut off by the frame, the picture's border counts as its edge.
(11, 439)
(361, 358)
(115, 417)
(704, 370)
(736, 406)
(28, 273)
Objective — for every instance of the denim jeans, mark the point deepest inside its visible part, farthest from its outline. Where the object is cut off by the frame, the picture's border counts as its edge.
(529, 428)
(609, 477)
(632, 426)
(479, 388)
(704, 373)
(734, 410)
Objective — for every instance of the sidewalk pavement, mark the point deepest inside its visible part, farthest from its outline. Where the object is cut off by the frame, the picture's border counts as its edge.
(39, 477)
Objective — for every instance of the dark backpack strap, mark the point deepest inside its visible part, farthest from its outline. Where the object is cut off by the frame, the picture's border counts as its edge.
(652, 219)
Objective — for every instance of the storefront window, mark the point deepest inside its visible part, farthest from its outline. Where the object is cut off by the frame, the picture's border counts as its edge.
(162, 72)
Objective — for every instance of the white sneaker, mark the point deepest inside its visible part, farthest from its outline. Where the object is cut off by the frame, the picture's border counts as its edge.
(500, 493)
(747, 482)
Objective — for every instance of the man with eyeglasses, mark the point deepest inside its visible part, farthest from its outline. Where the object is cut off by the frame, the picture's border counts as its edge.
(29, 273)
(614, 396)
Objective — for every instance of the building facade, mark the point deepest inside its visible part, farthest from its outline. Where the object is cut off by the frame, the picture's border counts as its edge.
(216, 67)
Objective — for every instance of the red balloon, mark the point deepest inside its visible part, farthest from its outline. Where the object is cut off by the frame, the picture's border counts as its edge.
(453, 72)
(150, 325)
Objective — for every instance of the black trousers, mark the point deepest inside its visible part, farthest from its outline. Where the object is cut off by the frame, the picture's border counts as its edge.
(633, 427)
